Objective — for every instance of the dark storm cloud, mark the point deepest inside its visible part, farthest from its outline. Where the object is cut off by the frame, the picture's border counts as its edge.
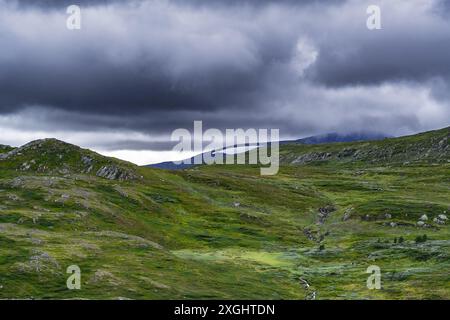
(372, 64)
(442, 6)
(62, 3)
(97, 86)
(206, 3)
(153, 66)
(141, 68)
(414, 46)
(136, 145)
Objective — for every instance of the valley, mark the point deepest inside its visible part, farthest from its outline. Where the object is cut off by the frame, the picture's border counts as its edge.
(225, 231)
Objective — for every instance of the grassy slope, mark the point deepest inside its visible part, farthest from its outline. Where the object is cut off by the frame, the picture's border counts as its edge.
(225, 231)
(428, 147)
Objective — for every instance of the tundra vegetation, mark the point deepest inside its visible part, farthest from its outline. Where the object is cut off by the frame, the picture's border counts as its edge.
(225, 231)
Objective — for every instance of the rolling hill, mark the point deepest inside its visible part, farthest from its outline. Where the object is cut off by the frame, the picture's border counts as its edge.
(224, 231)
(319, 139)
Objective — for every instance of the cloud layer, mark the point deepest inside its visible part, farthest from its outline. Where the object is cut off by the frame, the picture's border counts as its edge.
(144, 68)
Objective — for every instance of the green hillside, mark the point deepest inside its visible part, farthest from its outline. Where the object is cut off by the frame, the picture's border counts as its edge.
(4, 148)
(225, 232)
(429, 147)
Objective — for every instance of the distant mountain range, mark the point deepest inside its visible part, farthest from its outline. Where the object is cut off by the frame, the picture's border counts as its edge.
(318, 139)
(339, 137)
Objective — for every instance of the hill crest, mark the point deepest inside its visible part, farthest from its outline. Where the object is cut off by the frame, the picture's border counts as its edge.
(53, 156)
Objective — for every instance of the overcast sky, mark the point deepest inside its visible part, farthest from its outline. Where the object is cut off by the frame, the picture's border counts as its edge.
(137, 70)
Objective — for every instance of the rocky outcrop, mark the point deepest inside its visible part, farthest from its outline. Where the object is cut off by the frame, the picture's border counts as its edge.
(311, 157)
(51, 156)
(347, 214)
(113, 172)
(440, 219)
(5, 148)
(29, 146)
(324, 213)
(425, 147)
